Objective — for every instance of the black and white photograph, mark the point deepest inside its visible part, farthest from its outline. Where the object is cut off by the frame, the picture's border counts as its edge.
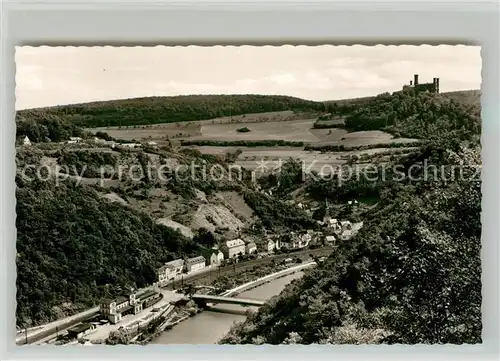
(261, 195)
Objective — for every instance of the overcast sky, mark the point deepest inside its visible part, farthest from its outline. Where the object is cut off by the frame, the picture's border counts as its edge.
(48, 76)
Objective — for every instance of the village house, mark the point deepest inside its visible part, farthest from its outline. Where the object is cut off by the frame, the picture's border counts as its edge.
(295, 241)
(330, 240)
(213, 257)
(233, 248)
(81, 330)
(335, 225)
(130, 145)
(316, 237)
(109, 143)
(270, 245)
(100, 141)
(175, 267)
(250, 248)
(346, 226)
(195, 264)
(305, 239)
(152, 144)
(291, 241)
(146, 299)
(162, 276)
(26, 141)
(74, 140)
(114, 310)
(169, 270)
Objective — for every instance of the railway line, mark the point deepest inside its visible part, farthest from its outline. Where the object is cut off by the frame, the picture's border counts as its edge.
(238, 267)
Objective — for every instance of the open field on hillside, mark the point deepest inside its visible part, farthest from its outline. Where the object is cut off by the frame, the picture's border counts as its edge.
(251, 158)
(189, 129)
(296, 130)
(343, 137)
(262, 126)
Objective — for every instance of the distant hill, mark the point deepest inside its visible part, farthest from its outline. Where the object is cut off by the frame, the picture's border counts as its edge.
(406, 114)
(469, 97)
(60, 122)
(154, 110)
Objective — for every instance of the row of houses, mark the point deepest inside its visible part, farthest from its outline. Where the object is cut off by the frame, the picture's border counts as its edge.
(291, 241)
(211, 257)
(111, 143)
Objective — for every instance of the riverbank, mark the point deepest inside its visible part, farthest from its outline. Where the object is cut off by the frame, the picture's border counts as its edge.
(225, 315)
(266, 279)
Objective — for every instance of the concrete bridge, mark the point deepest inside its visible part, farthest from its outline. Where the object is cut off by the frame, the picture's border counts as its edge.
(225, 299)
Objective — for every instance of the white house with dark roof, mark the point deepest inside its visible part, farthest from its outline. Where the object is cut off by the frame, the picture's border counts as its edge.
(213, 256)
(233, 248)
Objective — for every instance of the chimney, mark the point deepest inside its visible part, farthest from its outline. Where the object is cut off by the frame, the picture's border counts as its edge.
(415, 79)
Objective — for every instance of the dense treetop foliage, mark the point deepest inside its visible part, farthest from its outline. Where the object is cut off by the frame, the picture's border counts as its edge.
(414, 115)
(42, 127)
(412, 275)
(153, 110)
(74, 248)
(274, 213)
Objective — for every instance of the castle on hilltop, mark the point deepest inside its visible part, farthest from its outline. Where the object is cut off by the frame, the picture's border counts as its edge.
(422, 87)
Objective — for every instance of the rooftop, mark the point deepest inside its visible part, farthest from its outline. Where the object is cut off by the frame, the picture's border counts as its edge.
(121, 299)
(146, 294)
(161, 269)
(175, 263)
(125, 309)
(194, 260)
(235, 243)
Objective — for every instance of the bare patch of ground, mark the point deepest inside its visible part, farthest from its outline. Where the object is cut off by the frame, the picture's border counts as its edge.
(113, 197)
(211, 216)
(237, 204)
(186, 231)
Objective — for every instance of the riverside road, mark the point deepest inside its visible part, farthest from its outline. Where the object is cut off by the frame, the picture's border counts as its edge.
(238, 267)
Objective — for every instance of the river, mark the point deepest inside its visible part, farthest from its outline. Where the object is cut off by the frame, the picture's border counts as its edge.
(208, 327)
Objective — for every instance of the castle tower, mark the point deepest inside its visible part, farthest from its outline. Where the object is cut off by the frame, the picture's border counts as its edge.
(436, 86)
(415, 79)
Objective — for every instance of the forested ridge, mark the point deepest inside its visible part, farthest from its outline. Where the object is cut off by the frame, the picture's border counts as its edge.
(73, 248)
(412, 275)
(413, 272)
(154, 110)
(413, 115)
